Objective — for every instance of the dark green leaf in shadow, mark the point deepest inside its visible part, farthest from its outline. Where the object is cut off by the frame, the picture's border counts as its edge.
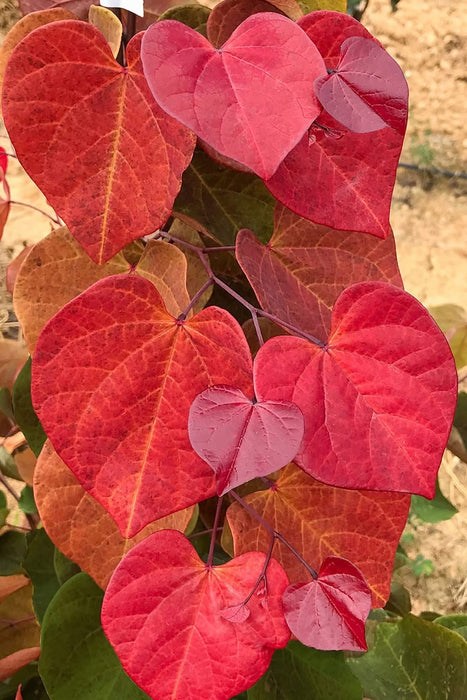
(300, 673)
(76, 659)
(223, 201)
(24, 412)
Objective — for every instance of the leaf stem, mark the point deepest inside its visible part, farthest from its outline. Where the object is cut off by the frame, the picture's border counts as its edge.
(273, 533)
(38, 209)
(204, 532)
(196, 297)
(215, 527)
(262, 576)
(254, 311)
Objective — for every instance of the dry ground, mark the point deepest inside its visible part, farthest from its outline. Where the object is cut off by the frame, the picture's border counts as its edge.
(429, 216)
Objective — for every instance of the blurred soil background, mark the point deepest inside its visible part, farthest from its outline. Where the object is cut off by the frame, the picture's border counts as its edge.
(429, 216)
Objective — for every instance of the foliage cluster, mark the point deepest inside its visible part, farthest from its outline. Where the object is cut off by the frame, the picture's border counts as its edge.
(230, 396)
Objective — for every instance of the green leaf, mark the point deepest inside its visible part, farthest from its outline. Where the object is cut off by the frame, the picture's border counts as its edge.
(399, 601)
(435, 510)
(76, 659)
(64, 567)
(415, 660)
(456, 622)
(223, 201)
(194, 16)
(39, 564)
(24, 412)
(313, 5)
(452, 319)
(32, 688)
(5, 404)
(300, 673)
(12, 552)
(8, 466)
(4, 510)
(460, 416)
(26, 500)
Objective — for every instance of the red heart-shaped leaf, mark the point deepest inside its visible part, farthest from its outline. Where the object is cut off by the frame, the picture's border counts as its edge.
(241, 439)
(329, 612)
(252, 100)
(113, 379)
(378, 399)
(331, 159)
(300, 273)
(91, 136)
(367, 91)
(163, 613)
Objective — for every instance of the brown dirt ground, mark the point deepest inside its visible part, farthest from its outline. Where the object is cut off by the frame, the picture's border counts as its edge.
(429, 217)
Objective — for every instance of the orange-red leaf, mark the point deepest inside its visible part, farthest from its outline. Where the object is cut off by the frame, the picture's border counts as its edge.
(24, 27)
(114, 376)
(163, 614)
(300, 273)
(79, 526)
(90, 135)
(321, 521)
(58, 269)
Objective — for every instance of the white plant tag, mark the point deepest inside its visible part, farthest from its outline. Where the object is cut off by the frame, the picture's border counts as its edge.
(136, 6)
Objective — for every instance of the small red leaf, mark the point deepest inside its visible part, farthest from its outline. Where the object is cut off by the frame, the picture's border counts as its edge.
(252, 100)
(91, 136)
(240, 439)
(236, 613)
(331, 159)
(19, 695)
(113, 379)
(378, 399)
(367, 91)
(163, 614)
(329, 612)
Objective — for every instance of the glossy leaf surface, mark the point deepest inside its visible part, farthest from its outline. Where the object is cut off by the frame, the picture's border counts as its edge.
(251, 101)
(367, 91)
(300, 273)
(378, 399)
(331, 159)
(90, 135)
(76, 659)
(329, 612)
(241, 439)
(79, 526)
(302, 673)
(223, 201)
(413, 659)
(165, 590)
(114, 376)
(320, 521)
